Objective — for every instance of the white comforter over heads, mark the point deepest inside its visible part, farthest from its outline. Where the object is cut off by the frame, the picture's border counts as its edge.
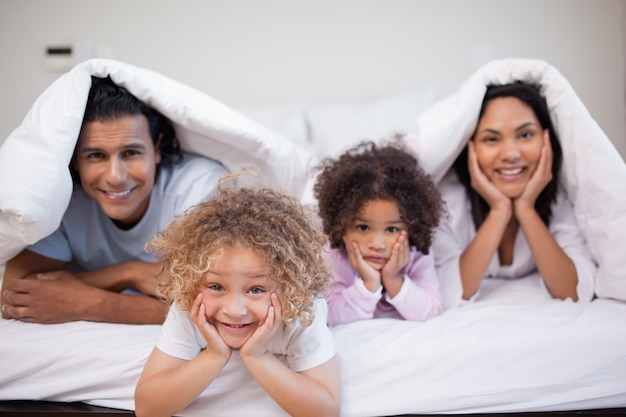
(36, 183)
(594, 174)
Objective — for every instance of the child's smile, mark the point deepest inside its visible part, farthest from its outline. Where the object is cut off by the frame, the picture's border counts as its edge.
(236, 294)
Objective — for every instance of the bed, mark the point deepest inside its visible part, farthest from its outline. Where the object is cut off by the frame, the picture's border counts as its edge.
(513, 351)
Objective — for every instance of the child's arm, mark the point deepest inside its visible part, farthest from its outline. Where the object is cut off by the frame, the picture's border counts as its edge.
(420, 297)
(350, 299)
(168, 384)
(314, 392)
(391, 277)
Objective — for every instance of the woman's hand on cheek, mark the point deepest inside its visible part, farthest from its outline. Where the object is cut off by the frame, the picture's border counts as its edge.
(481, 184)
(370, 276)
(539, 180)
(215, 343)
(256, 345)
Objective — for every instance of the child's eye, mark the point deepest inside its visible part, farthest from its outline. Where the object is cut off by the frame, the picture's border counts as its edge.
(393, 229)
(257, 290)
(215, 287)
(362, 227)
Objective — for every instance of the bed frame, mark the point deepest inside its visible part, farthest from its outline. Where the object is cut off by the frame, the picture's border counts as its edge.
(24, 408)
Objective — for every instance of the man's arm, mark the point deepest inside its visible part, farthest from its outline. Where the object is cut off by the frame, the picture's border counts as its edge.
(41, 290)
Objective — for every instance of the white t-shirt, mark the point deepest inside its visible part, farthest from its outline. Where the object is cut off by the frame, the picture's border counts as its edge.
(301, 348)
(457, 231)
(89, 239)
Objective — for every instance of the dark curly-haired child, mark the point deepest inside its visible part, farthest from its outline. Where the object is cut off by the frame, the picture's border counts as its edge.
(380, 211)
(245, 274)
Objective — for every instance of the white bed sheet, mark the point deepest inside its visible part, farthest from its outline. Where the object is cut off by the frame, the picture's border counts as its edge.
(514, 351)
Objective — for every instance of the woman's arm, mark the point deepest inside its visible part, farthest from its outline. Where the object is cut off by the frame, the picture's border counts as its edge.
(475, 258)
(556, 268)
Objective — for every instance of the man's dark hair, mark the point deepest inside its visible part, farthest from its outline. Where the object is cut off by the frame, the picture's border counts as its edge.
(107, 101)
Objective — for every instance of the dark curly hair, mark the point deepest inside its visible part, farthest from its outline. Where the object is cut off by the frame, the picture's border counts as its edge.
(529, 94)
(370, 171)
(107, 101)
(275, 225)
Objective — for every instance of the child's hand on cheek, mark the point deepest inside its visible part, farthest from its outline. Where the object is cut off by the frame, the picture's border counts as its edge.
(256, 345)
(400, 254)
(215, 343)
(370, 276)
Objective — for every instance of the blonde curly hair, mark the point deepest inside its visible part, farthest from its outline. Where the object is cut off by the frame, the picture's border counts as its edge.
(274, 225)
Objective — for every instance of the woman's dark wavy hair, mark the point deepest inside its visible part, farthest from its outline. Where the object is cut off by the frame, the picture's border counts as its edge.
(369, 172)
(529, 94)
(108, 101)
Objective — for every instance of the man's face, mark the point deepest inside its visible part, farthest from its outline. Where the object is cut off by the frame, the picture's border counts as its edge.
(116, 161)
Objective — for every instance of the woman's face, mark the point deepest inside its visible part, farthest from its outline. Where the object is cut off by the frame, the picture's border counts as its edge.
(508, 143)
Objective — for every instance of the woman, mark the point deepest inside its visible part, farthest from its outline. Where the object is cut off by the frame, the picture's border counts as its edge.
(509, 216)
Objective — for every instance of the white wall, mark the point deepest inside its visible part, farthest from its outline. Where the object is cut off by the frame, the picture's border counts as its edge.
(257, 52)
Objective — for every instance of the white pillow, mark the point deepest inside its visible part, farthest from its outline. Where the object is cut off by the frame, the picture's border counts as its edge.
(287, 121)
(336, 127)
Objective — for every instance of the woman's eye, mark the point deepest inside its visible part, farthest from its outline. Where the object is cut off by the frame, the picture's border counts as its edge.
(527, 135)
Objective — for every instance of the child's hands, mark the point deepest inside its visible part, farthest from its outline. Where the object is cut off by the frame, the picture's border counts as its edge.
(482, 185)
(540, 179)
(400, 254)
(256, 345)
(215, 343)
(370, 276)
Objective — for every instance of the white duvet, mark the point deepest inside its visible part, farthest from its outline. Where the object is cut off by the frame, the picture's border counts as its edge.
(514, 350)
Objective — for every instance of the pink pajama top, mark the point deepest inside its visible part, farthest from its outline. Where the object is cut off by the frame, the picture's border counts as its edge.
(348, 300)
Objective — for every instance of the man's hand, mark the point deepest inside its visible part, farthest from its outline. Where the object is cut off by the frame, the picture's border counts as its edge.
(48, 297)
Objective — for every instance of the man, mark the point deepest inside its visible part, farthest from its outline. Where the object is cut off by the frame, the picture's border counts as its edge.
(131, 179)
